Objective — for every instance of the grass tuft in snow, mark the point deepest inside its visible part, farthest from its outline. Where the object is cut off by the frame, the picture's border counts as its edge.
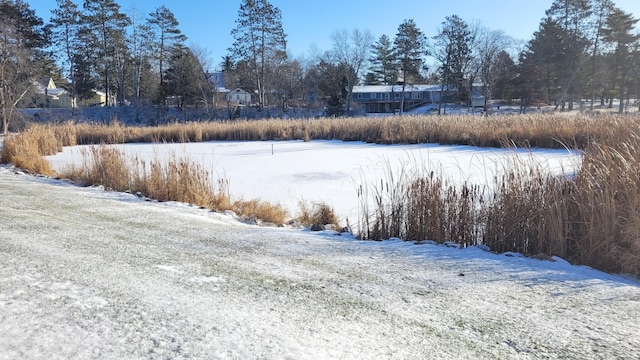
(318, 214)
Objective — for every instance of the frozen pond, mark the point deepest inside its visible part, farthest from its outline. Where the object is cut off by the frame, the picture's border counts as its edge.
(332, 171)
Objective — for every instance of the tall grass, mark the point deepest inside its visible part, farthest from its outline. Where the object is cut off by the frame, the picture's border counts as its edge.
(540, 130)
(25, 150)
(174, 179)
(316, 215)
(590, 218)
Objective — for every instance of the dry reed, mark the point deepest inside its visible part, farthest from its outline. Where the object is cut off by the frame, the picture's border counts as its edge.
(540, 130)
(175, 179)
(590, 218)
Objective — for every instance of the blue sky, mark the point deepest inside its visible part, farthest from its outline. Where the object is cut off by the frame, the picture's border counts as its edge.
(208, 23)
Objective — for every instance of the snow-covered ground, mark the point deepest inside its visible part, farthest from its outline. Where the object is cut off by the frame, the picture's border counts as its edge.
(86, 273)
(332, 171)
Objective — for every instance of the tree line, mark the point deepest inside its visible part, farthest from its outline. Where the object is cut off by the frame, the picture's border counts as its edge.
(583, 49)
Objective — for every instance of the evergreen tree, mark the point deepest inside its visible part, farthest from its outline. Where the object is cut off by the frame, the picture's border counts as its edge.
(409, 49)
(184, 77)
(65, 24)
(259, 39)
(601, 10)
(505, 75)
(543, 57)
(164, 28)
(452, 50)
(572, 16)
(384, 65)
(104, 34)
(619, 32)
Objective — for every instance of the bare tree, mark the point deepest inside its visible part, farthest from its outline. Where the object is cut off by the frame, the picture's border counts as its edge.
(350, 48)
(206, 86)
(488, 47)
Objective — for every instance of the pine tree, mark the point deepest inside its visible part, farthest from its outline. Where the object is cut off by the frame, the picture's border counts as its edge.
(542, 59)
(259, 40)
(601, 10)
(409, 49)
(141, 40)
(164, 26)
(65, 25)
(104, 39)
(619, 32)
(184, 77)
(572, 16)
(383, 60)
(452, 50)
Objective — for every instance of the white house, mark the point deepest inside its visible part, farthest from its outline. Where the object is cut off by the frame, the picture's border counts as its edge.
(239, 96)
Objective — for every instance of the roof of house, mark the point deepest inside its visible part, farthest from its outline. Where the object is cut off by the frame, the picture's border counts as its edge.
(48, 86)
(398, 88)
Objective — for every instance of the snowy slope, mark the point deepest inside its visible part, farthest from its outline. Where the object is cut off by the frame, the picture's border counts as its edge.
(91, 274)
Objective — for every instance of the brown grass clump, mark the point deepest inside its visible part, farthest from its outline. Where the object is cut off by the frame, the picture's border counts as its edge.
(419, 208)
(260, 210)
(318, 214)
(25, 150)
(103, 166)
